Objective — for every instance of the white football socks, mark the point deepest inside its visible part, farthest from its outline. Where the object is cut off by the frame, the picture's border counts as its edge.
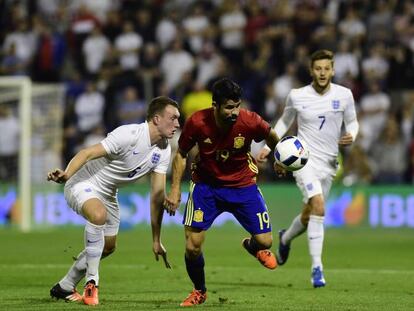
(75, 273)
(296, 228)
(94, 245)
(315, 239)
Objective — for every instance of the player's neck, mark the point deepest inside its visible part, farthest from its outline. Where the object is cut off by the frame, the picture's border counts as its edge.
(321, 89)
(154, 133)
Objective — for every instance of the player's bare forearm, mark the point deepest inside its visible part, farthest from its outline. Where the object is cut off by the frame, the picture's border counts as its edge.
(346, 140)
(178, 168)
(79, 160)
(172, 201)
(157, 199)
(272, 139)
(157, 211)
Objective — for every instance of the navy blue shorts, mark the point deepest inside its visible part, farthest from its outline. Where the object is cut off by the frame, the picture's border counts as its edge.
(205, 203)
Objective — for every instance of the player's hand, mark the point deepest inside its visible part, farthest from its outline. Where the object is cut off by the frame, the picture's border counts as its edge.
(57, 176)
(262, 155)
(280, 170)
(159, 250)
(345, 140)
(172, 201)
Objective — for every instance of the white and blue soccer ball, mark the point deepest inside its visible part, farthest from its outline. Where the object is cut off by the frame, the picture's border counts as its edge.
(291, 153)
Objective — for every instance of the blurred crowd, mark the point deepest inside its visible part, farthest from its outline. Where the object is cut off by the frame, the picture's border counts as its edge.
(114, 55)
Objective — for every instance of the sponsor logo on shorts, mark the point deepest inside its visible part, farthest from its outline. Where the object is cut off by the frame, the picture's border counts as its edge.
(88, 190)
(309, 187)
(198, 216)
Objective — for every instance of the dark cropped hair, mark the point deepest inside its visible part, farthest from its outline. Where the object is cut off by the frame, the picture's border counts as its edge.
(225, 89)
(321, 54)
(158, 104)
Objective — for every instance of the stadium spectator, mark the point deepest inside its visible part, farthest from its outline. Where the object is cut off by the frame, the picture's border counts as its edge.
(389, 156)
(174, 64)
(373, 113)
(321, 109)
(167, 29)
(284, 83)
(375, 65)
(92, 179)
(131, 108)
(357, 167)
(209, 64)
(352, 28)
(24, 41)
(95, 48)
(128, 45)
(232, 23)
(145, 25)
(223, 180)
(89, 107)
(379, 24)
(346, 62)
(257, 21)
(113, 25)
(12, 64)
(195, 26)
(49, 56)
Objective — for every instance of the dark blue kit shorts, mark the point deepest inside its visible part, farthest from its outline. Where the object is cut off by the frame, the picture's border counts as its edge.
(205, 203)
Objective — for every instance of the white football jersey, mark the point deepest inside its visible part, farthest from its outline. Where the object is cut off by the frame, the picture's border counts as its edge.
(130, 156)
(320, 119)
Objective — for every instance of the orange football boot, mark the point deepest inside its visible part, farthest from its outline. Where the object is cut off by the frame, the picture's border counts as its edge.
(196, 297)
(264, 256)
(267, 259)
(90, 294)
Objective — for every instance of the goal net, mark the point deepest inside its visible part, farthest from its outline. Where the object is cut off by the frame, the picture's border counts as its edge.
(30, 144)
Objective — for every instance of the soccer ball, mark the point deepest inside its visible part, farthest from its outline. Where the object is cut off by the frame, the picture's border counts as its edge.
(291, 153)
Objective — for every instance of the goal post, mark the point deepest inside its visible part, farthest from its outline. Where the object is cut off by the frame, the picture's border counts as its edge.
(39, 110)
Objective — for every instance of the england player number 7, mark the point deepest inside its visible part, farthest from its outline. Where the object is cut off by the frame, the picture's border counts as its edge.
(322, 121)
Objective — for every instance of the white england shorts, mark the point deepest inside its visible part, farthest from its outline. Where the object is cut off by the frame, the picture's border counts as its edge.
(77, 193)
(315, 178)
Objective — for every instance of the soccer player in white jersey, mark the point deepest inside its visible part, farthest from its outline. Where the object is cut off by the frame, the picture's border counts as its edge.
(320, 108)
(92, 180)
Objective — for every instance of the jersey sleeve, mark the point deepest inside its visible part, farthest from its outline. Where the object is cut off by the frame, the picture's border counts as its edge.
(262, 128)
(287, 118)
(350, 118)
(187, 138)
(162, 166)
(118, 141)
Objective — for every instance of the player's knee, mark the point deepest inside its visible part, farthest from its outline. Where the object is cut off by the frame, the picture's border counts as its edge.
(193, 251)
(98, 217)
(264, 240)
(317, 205)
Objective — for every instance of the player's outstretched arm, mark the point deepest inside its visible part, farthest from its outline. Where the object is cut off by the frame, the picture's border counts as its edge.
(172, 200)
(83, 156)
(271, 142)
(157, 210)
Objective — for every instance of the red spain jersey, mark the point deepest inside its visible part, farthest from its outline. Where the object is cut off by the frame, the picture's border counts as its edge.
(224, 157)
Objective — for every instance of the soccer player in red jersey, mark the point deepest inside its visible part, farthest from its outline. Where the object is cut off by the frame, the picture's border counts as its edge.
(223, 180)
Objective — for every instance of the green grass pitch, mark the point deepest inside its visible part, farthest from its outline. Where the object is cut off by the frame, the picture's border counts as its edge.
(365, 269)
